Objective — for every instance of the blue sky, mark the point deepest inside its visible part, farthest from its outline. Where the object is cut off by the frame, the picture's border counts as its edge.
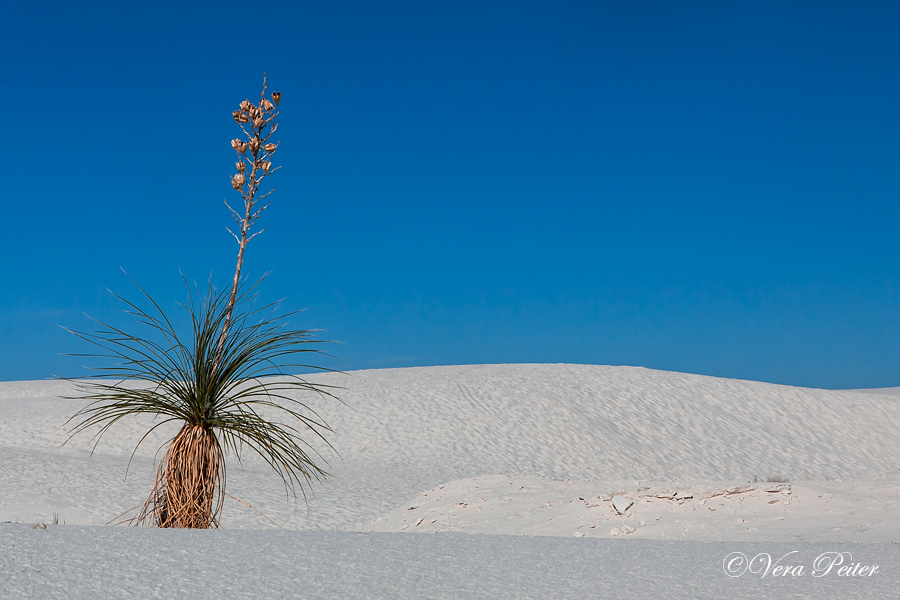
(705, 187)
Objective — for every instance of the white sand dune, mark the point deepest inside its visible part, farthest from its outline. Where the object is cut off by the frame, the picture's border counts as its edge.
(515, 446)
(532, 449)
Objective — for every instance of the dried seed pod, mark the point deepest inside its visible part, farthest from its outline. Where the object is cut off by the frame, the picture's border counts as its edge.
(276, 97)
(270, 147)
(240, 166)
(236, 143)
(246, 105)
(266, 166)
(259, 123)
(237, 182)
(254, 145)
(266, 104)
(239, 116)
(254, 113)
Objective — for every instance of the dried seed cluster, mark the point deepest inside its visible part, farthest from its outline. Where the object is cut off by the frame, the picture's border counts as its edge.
(258, 122)
(258, 117)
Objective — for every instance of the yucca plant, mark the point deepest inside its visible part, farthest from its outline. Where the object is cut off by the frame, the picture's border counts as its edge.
(226, 384)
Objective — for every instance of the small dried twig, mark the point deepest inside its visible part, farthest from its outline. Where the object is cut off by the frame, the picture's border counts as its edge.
(250, 507)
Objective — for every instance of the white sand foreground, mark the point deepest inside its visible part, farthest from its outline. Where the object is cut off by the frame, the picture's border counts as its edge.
(537, 450)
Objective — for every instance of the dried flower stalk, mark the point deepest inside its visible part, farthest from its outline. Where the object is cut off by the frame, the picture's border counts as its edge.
(258, 123)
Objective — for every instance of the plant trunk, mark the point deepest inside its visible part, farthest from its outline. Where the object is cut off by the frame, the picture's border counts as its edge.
(190, 482)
